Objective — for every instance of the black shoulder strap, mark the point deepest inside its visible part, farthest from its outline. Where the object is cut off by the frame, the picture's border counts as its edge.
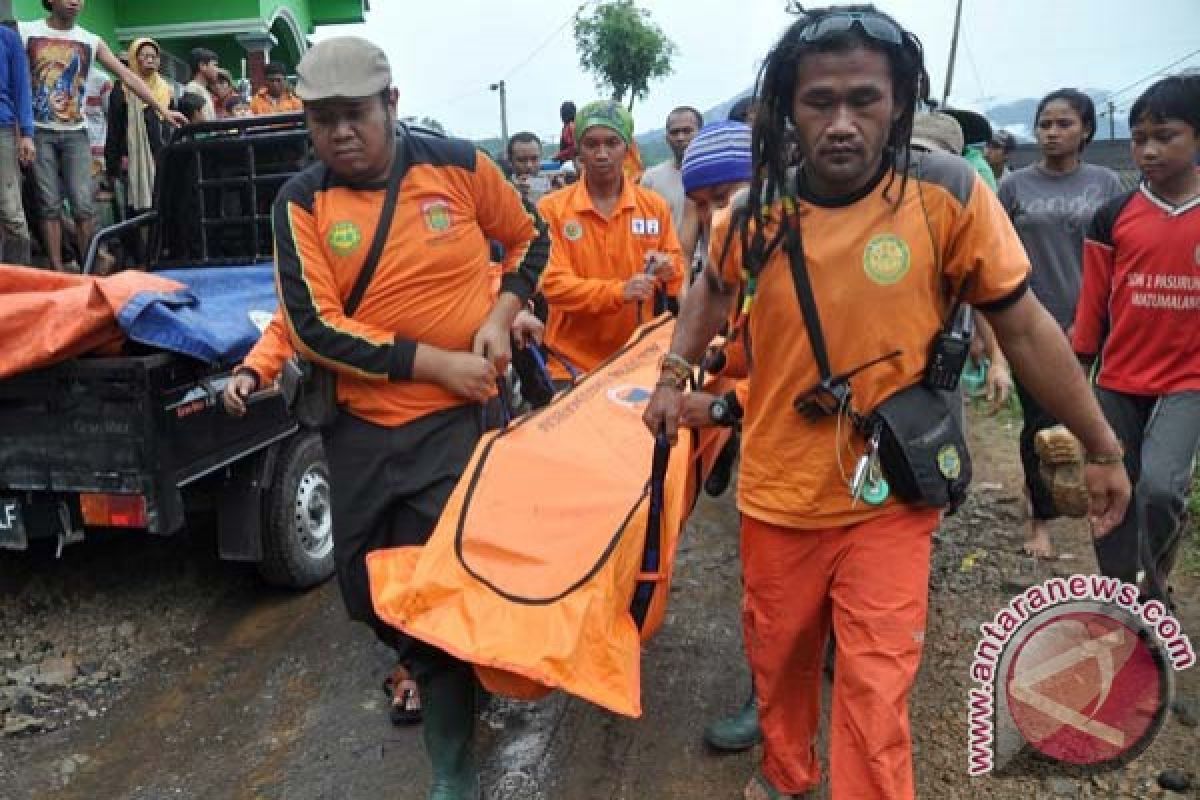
(399, 167)
(804, 293)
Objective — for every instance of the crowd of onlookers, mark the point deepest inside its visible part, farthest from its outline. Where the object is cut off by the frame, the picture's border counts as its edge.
(77, 146)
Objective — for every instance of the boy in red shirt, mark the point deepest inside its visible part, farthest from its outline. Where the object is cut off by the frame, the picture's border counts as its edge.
(1139, 311)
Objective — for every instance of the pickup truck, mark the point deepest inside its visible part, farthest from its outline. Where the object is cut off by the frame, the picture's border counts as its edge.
(140, 441)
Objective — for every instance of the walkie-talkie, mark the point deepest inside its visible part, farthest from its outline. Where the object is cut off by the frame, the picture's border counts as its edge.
(950, 349)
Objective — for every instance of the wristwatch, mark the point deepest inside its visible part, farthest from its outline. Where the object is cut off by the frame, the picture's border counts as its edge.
(725, 410)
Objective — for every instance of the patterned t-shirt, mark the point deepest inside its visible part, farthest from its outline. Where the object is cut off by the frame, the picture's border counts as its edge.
(59, 63)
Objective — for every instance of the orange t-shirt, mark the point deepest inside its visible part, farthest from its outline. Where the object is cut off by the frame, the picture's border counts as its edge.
(875, 274)
(591, 258)
(433, 284)
(262, 103)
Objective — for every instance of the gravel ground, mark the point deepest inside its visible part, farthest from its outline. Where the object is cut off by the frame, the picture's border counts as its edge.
(77, 632)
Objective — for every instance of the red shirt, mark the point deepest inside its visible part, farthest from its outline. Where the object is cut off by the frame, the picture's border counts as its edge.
(1140, 303)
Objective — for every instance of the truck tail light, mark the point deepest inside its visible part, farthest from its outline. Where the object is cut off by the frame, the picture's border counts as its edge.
(113, 510)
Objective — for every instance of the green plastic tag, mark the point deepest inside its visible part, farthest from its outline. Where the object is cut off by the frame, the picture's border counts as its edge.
(876, 492)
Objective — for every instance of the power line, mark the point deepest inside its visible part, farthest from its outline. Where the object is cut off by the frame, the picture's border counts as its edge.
(553, 35)
(484, 85)
(1154, 74)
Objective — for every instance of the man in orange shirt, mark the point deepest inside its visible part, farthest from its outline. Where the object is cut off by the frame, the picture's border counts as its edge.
(418, 355)
(275, 97)
(613, 247)
(879, 231)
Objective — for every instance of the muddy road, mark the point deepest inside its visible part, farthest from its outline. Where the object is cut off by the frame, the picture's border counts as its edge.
(184, 677)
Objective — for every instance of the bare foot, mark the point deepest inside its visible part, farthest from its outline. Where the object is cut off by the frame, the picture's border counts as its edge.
(1037, 545)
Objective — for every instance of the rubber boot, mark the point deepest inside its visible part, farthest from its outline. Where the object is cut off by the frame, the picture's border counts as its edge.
(448, 697)
(737, 732)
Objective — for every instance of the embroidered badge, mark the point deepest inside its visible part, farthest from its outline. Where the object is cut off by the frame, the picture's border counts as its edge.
(344, 238)
(437, 215)
(573, 230)
(886, 259)
(949, 462)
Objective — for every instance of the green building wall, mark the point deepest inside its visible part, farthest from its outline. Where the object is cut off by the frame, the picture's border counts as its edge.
(216, 23)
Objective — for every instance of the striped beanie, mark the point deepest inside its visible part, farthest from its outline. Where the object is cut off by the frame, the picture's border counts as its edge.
(720, 153)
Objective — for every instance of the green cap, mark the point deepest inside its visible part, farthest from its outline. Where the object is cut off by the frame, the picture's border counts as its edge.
(606, 113)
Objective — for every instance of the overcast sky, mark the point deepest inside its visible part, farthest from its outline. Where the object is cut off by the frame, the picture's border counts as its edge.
(444, 53)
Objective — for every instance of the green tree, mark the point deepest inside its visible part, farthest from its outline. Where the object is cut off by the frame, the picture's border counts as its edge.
(623, 48)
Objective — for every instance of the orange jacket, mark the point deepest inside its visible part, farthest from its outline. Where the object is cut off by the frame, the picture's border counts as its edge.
(591, 259)
(266, 358)
(432, 285)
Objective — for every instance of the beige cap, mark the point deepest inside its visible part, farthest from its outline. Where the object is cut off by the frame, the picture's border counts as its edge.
(346, 66)
(937, 131)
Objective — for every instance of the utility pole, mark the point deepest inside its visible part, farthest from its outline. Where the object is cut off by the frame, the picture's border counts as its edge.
(1112, 120)
(499, 87)
(953, 53)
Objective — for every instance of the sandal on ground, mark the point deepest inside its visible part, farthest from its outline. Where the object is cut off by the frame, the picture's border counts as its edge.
(406, 699)
(759, 788)
(1030, 552)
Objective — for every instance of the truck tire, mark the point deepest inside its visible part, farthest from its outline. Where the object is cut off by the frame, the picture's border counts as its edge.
(298, 525)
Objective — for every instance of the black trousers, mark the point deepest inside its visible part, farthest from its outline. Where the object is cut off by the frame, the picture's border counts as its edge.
(1161, 437)
(389, 487)
(1036, 419)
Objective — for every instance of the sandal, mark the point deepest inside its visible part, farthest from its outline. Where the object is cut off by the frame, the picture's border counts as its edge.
(406, 702)
(1029, 550)
(759, 788)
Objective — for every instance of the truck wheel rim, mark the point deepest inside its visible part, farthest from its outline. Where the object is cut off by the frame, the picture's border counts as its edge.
(314, 521)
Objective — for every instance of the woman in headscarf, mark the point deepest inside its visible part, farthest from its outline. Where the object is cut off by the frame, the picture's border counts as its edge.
(135, 131)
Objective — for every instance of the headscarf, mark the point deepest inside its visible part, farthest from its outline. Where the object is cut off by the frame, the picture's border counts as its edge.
(605, 113)
(141, 156)
(159, 88)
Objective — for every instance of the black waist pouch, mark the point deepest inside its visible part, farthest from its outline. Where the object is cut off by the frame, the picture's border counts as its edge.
(922, 449)
(310, 391)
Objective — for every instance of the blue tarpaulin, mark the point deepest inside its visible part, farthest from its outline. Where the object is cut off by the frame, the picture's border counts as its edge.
(217, 318)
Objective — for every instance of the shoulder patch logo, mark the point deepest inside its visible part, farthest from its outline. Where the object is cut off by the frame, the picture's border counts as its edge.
(344, 238)
(437, 215)
(949, 462)
(573, 230)
(886, 259)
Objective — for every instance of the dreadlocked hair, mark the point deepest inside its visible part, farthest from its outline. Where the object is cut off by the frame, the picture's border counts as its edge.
(774, 125)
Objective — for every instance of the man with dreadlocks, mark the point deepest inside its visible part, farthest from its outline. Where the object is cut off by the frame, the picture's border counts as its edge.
(887, 240)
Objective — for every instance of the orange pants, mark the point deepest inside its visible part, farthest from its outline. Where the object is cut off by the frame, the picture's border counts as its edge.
(871, 581)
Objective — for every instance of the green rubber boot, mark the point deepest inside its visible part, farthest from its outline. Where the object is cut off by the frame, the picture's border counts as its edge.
(448, 700)
(737, 732)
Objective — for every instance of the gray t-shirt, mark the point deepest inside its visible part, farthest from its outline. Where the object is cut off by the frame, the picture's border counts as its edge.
(667, 180)
(1051, 213)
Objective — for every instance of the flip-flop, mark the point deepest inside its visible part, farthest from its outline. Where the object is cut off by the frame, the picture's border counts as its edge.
(760, 788)
(1026, 551)
(406, 707)
(403, 711)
